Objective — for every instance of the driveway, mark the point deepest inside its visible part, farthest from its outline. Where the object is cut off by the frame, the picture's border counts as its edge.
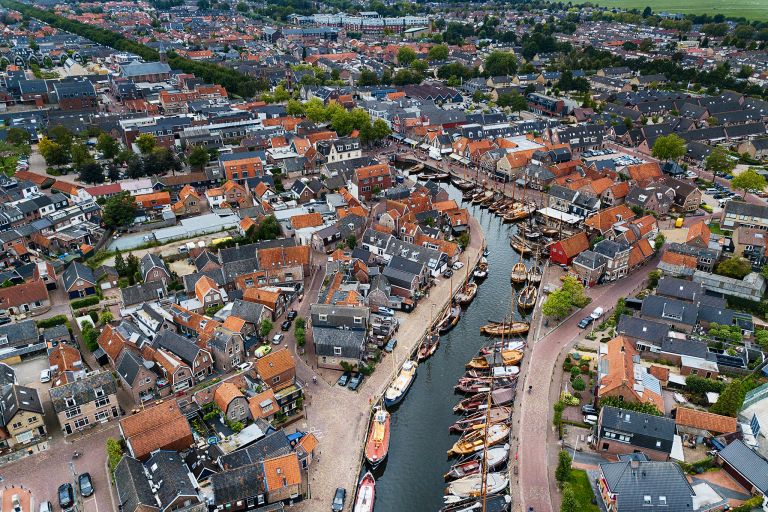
(536, 407)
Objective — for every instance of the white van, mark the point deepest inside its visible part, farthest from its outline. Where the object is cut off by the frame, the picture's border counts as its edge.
(590, 419)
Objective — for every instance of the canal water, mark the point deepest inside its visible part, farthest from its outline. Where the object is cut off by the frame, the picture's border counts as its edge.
(411, 479)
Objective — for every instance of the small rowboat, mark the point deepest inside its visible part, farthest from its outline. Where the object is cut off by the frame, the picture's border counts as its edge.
(519, 273)
(428, 347)
(366, 494)
(505, 329)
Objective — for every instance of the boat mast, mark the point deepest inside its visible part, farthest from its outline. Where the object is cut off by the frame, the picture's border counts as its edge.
(484, 472)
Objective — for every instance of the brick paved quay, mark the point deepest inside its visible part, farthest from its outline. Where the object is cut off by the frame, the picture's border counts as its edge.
(339, 417)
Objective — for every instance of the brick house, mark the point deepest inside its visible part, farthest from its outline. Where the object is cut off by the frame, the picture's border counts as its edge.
(188, 202)
(208, 293)
(139, 381)
(227, 348)
(621, 431)
(153, 268)
(85, 402)
(564, 251)
(30, 297)
(161, 427)
(621, 375)
(241, 166)
(233, 404)
(78, 280)
(371, 179)
(21, 416)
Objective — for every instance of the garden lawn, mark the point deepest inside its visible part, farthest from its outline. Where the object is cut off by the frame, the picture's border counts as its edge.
(752, 9)
(579, 481)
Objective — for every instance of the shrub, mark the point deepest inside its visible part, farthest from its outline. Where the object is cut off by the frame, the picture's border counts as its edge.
(84, 303)
(94, 316)
(567, 365)
(563, 470)
(700, 385)
(114, 454)
(52, 321)
(575, 371)
(584, 368)
(578, 384)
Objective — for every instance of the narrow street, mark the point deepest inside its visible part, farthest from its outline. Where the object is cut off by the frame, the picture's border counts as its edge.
(536, 459)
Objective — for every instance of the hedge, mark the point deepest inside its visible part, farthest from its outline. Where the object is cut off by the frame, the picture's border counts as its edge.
(84, 303)
(52, 321)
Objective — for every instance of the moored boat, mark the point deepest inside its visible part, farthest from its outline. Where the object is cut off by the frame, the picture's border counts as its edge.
(377, 446)
(535, 274)
(462, 184)
(519, 273)
(434, 176)
(477, 440)
(428, 347)
(450, 319)
(501, 358)
(472, 486)
(505, 329)
(527, 297)
(497, 414)
(499, 396)
(366, 494)
(520, 245)
(481, 271)
(400, 386)
(482, 196)
(480, 384)
(547, 231)
(467, 294)
(507, 345)
(497, 503)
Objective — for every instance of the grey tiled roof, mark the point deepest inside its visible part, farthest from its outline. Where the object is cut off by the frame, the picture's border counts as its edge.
(238, 484)
(274, 444)
(133, 489)
(666, 309)
(184, 348)
(82, 390)
(679, 288)
(326, 338)
(75, 271)
(663, 483)
(170, 474)
(747, 462)
(642, 329)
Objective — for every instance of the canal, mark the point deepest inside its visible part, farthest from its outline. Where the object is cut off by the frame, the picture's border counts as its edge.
(412, 477)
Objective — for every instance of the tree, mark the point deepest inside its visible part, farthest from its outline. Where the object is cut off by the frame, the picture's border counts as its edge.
(748, 180)
(669, 147)
(736, 267)
(80, 155)
(658, 242)
(61, 135)
(119, 210)
(718, 162)
(575, 291)
(405, 55)
(91, 172)
(557, 305)
(367, 78)
(17, 136)
(563, 471)
(294, 108)
(731, 399)
(198, 157)
(500, 63)
(653, 278)
(265, 327)
(146, 142)
(315, 110)
(438, 52)
(120, 264)
(108, 146)
(761, 338)
(351, 241)
(569, 503)
(53, 152)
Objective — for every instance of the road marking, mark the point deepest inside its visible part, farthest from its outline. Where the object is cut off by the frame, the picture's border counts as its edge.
(92, 499)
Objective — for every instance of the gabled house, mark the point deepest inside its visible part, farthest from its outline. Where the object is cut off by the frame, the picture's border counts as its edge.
(227, 349)
(564, 251)
(623, 431)
(746, 466)
(160, 427)
(621, 375)
(21, 416)
(152, 268)
(231, 402)
(78, 280)
(136, 378)
(338, 334)
(635, 485)
(85, 402)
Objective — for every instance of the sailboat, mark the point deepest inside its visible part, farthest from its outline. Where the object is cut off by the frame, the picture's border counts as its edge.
(519, 273)
(535, 274)
(377, 446)
(472, 486)
(497, 503)
(366, 494)
(496, 415)
(467, 293)
(428, 346)
(504, 328)
(477, 440)
(508, 358)
(450, 319)
(527, 297)
(519, 245)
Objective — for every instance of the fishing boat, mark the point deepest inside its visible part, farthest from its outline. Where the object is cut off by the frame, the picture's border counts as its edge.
(506, 345)
(377, 446)
(488, 200)
(477, 440)
(434, 176)
(366, 494)
(480, 384)
(462, 184)
(535, 274)
(496, 415)
(519, 273)
(527, 297)
(497, 503)
(520, 245)
(400, 386)
(499, 396)
(548, 231)
(472, 486)
(428, 347)
(497, 372)
(481, 271)
(486, 195)
(467, 294)
(505, 328)
(532, 233)
(450, 319)
(503, 357)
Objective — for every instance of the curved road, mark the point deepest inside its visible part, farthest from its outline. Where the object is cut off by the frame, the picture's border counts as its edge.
(536, 431)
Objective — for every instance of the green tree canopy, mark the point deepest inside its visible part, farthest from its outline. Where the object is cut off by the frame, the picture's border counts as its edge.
(748, 180)
(669, 147)
(108, 146)
(53, 152)
(146, 142)
(718, 162)
(438, 52)
(405, 55)
(736, 267)
(198, 158)
(500, 63)
(119, 210)
(17, 136)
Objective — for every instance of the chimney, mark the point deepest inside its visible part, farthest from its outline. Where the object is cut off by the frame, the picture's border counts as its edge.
(634, 464)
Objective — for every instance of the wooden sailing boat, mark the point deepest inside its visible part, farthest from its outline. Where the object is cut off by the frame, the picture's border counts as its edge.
(519, 273)
(477, 440)
(450, 319)
(505, 328)
(428, 346)
(508, 358)
(527, 297)
(494, 415)
(519, 245)
(467, 293)
(535, 274)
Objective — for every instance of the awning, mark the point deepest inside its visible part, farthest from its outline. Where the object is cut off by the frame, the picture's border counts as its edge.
(410, 141)
(677, 449)
(677, 379)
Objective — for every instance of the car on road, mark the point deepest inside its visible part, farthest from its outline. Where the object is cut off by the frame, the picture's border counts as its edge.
(338, 500)
(458, 265)
(86, 484)
(585, 322)
(285, 325)
(292, 314)
(262, 351)
(46, 506)
(45, 375)
(355, 381)
(66, 496)
(277, 339)
(244, 367)
(390, 346)
(448, 273)
(344, 379)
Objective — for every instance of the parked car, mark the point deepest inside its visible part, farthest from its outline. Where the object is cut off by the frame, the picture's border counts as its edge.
(285, 325)
(585, 322)
(390, 346)
(66, 496)
(448, 273)
(458, 265)
(46, 506)
(45, 375)
(262, 351)
(86, 484)
(292, 314)
(590, 419)
(244, 367)
(344, 379)
(355, 381)
(338, 500)
(386, 312)
(278, 338)
(589, 409)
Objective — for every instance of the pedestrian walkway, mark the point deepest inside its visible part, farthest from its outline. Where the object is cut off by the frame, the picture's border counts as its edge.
(25, 452)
